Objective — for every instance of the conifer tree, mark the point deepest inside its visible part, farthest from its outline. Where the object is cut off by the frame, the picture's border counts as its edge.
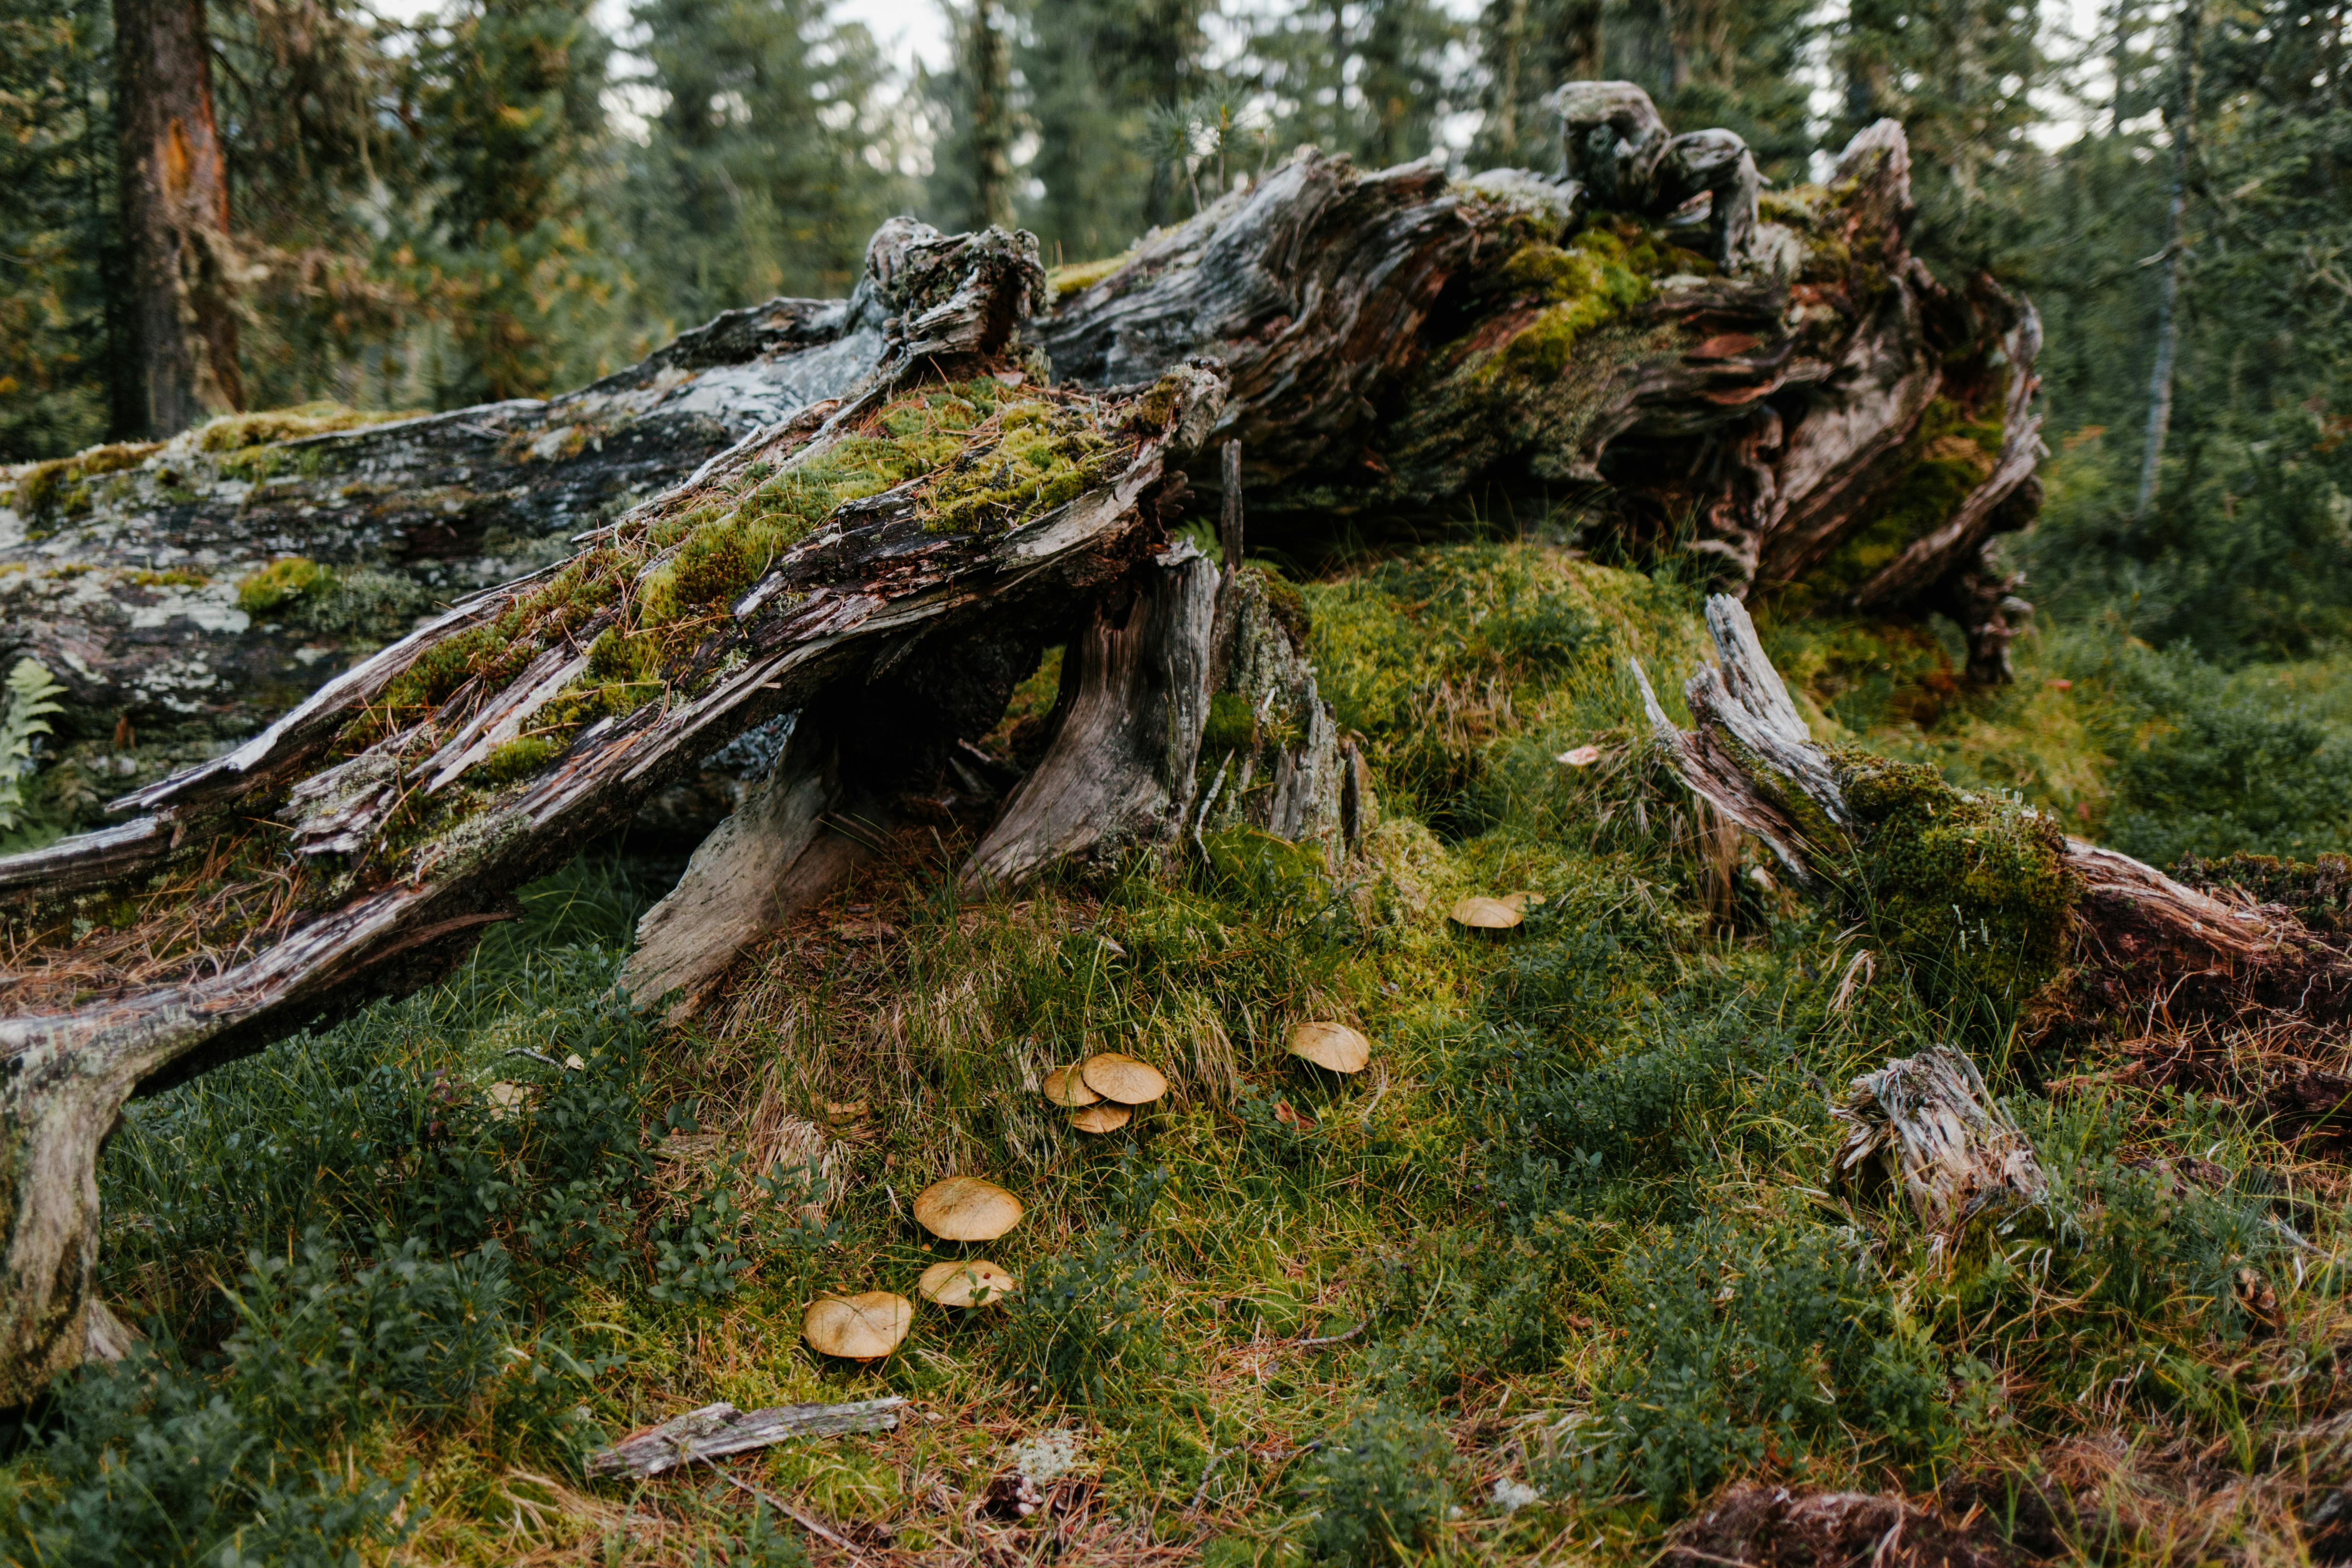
(1097, 72)
(511, 110)
(55, 229)
(770, 162)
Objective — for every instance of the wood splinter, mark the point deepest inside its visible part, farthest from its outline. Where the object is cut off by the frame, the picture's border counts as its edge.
(715, 1431)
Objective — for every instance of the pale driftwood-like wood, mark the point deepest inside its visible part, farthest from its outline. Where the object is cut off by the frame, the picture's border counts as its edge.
(1135, 695)
(771, 857)
(715, 1431)
(1295, 776)
(1927, 1124)
(874, 586)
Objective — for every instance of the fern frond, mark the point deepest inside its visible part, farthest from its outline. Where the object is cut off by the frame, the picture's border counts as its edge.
(31, 699)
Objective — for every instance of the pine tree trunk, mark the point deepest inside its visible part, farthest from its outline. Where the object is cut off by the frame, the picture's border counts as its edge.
(176, 225)
(2182, 116)
(991, 116)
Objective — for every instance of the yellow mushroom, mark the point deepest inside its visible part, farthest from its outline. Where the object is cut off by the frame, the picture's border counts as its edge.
(1481, 913)
(1067, 1087)
(858, 1328)
(1333, 1046)
(966, 1209)
(978, 1283)
(1122, 1079)
(1101, 1117)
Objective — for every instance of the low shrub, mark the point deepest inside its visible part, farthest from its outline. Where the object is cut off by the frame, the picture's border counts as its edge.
(1379, 1487)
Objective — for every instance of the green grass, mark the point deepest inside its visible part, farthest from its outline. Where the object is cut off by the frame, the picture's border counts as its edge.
(1574, 1230)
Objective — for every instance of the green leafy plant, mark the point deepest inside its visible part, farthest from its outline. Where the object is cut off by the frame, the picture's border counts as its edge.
(1380, 1488)
(1085, 1318)
(31, 699)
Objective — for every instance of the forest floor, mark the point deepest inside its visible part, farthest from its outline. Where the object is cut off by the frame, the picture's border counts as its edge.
(1554, 1279)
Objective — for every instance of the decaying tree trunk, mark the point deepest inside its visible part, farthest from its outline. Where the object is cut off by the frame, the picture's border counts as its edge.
(837, 536)
(188, 594)
(1927, 1124)
(1398, 343)
(1988, 890)
(1135, 696)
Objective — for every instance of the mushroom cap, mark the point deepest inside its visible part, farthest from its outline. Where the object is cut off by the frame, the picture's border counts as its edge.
(858, 1328)
(978, 1283)
(1122, 1079)
(1067, 1087)
(1101, 1117)
(1333, 1046)
(1523, 901)
(1486, 914)
(965, 1208)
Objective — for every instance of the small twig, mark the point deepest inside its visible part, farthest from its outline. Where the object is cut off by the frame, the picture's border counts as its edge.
(1321, 1339)
(807, 1521)
(1200, 1494)
(539, 1057)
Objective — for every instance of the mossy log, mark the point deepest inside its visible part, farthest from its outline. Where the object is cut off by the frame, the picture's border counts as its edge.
(1785, 390)
(1791, 394)
(188, 593)
(1986, 895)
(887, 565)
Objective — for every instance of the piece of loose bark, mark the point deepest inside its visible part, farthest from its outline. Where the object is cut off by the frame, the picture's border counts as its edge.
(715, 1431)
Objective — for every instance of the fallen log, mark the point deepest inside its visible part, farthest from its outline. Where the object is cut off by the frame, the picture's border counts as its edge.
(887, 565)
(1400, 343)
(1757, 386)
(881, 554)
(188, 593)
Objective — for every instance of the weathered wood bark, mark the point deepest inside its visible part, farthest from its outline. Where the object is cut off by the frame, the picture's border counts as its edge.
(1927, 1125)
(2134, 938)
(772, 856)
(1400, 345)
(360, 842)
(1135, 696)
(183, 263)
(188, 594)
(715, 1431)
(1398, 342)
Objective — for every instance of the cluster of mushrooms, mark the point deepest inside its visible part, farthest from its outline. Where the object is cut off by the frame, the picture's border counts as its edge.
(869, 1327)
(1101, 1094)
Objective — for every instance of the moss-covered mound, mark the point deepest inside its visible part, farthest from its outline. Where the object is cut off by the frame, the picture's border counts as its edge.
(1973, 891)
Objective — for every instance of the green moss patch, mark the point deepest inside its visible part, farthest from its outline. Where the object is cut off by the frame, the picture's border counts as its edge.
(283, 583)
(1973, 891)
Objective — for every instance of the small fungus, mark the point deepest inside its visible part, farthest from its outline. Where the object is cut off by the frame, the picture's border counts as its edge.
(1480, 913)
(978, 1283)
(1101, 1117)
(1067, 1087)
(858, 1328)
(966, 1209)
(1332, 1045)
(1123, 1079)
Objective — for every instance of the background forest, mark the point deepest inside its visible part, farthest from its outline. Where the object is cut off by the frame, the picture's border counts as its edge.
(504, 198)
(1563, 1270)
